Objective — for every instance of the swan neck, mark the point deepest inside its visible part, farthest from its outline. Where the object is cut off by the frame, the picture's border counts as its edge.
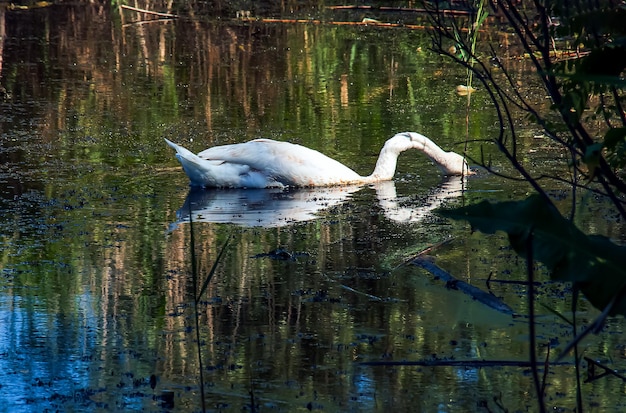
(385, 165)
(430, 149)
(449, 163)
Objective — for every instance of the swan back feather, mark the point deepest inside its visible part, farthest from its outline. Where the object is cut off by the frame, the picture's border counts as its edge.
(288, 163)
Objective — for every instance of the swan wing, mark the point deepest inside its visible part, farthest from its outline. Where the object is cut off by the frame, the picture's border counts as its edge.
(219, 173)
(288, 163)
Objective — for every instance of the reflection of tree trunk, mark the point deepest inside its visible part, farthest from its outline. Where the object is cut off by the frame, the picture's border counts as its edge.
(141, 36)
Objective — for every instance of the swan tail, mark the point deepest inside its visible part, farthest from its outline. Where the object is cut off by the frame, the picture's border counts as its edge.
(194, 166)
(181, 151)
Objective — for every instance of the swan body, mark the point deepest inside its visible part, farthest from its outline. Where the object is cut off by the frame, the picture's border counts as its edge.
(265, 163)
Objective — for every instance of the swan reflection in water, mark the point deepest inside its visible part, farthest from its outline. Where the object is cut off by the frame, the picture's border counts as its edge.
(275, 207)
(448, 189)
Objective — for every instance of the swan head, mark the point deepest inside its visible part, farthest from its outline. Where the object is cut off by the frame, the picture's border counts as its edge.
(403, 141)
(450, 163)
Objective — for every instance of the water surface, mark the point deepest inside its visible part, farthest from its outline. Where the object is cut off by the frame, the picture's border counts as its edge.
(97, 293)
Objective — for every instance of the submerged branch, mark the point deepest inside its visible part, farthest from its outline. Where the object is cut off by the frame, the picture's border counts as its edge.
(452, 282)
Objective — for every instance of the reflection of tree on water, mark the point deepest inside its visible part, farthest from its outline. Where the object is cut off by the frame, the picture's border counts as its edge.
(276, 207)
(226, 76)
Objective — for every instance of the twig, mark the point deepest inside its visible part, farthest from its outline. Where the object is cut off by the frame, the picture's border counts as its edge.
(399, 9)
(373, 297)
(209, 277)
(425, 251)
(149, 21)
(346, 23)
(531, 324)
(474, 292)
(455, 363)
(170, 15)
(499, 281)
(194, 276)
(597, 324)
(591, 371)
(546, 368)
(579, 391)
(252, 402)
(370, 296)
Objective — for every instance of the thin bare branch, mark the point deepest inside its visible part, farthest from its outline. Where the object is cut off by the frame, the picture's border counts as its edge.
(154, 13)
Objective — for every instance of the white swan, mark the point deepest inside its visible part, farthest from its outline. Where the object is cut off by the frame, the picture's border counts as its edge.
(265, 163)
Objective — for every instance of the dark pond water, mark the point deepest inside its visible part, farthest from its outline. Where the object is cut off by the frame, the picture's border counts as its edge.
(97, 289)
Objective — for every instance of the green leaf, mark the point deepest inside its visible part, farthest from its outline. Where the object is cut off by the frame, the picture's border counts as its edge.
(594, 263)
